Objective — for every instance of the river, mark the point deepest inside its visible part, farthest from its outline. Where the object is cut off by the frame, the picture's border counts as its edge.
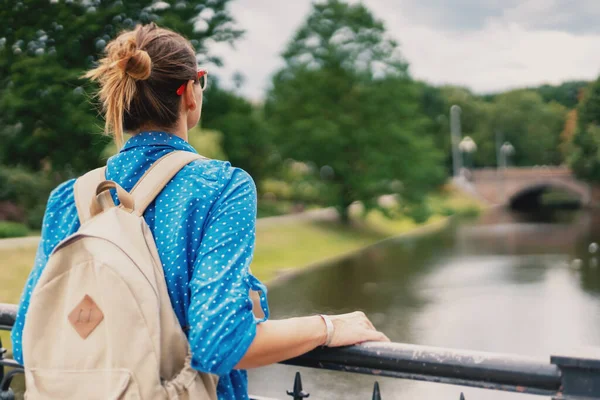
(510, 283)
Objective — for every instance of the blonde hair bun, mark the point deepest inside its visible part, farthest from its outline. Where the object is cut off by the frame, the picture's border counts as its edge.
(129, 59)
(139, 65)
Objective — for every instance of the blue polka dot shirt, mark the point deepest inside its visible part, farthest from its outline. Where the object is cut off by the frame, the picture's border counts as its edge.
(203, 223)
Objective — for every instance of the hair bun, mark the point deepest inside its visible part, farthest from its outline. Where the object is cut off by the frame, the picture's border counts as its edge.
(139, 65)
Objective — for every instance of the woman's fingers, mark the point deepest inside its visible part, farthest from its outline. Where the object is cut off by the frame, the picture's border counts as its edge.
(370, 324)
(363, 320)
(375, 336)
(354, 328)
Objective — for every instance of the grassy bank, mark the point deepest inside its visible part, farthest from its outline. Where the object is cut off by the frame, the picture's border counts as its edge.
(280, 246)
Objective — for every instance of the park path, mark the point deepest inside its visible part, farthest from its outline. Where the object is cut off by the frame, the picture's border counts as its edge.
(325, 214)
(15, 243)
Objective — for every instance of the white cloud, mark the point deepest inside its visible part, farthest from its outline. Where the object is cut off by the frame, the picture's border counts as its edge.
(500, 50)
(498, 57)
(269, 26)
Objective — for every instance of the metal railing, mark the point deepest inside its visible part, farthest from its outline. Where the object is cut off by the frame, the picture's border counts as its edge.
(562, 377)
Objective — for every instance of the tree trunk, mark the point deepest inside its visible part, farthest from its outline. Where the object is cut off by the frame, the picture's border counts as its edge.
(344, 204)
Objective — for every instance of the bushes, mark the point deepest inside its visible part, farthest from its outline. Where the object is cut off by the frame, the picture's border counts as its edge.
(12, 229)
(23, 196)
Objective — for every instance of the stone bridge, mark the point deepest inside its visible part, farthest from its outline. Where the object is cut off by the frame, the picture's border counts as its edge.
(513, 186)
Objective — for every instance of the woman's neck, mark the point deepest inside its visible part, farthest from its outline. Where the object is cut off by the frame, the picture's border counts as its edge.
(178, 130)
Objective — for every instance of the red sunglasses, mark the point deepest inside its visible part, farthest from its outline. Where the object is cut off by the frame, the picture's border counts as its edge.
(202, 79)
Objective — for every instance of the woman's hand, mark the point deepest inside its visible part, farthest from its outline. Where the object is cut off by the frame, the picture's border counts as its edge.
(354, 328)
(278, 340)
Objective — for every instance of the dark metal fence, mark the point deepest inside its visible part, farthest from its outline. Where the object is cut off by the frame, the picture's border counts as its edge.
(562, 377)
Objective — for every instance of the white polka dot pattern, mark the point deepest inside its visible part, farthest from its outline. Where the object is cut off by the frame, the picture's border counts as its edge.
(203, 223)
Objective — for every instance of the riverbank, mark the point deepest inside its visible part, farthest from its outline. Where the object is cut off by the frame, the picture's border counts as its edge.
(283, 244)
(283, 275)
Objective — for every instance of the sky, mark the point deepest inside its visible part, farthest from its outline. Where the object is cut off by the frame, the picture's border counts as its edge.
(486, 45)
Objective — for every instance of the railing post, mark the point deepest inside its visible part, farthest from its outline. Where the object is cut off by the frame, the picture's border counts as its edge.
(6, 393)
(580, 376)
(2, 352)
(298, 393)
(376, 393)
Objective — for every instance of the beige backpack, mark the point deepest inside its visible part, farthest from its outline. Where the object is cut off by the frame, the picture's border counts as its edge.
(100, 323)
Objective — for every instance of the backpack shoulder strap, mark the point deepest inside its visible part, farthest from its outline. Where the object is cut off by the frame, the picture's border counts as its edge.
(85, 190)
(159, 174)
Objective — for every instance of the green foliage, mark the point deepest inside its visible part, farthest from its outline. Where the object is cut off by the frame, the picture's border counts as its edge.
(246, 138)
(46, 46)
(585, 145)
(12, 229)
(434, 105)
(35, 216)
(27, 191)
(567, 93)
(268, 208)
(450, 201)
(470, 211)
(532, 126)
(23, 187)
(521, 117)
(589, 109)
(295, 181)
(208, 143)
(345, 103)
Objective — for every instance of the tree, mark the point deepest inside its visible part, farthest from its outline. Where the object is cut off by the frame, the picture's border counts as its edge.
(345, 103)
(246, 137)
(434, 106)
(585, 158)
(567, 93)
(45, 46)
(568, 132)
(532, 126)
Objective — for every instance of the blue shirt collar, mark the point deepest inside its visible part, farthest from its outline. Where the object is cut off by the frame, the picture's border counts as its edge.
(157, 138)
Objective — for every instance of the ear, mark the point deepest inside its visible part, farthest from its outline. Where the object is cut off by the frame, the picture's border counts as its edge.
(189, 97)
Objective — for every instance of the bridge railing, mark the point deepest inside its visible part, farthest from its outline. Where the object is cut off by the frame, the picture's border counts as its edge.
(521, 173)
(563, 377)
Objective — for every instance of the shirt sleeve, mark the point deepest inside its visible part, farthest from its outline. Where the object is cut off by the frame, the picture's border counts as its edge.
(60, 220)
(221, 322)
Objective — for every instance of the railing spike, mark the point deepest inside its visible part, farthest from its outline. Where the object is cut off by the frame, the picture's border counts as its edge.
(376, 392)
(462, 396)
(6, 393)
(2, 352)
(298, 393)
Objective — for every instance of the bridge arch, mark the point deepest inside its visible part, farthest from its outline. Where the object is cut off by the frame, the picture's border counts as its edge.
(522, 197)
(511, 184)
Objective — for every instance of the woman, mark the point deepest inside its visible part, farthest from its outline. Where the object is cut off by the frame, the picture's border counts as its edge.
(150, 87)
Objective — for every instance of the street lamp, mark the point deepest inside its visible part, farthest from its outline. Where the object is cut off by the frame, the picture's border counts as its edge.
(455, 137)
(506, 150)
(467, 145)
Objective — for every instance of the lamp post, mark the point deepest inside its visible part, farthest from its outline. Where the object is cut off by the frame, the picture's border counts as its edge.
(506, 150)
(455, 136)
(468, 146)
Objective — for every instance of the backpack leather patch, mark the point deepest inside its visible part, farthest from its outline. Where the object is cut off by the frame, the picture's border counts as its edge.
(85, 317)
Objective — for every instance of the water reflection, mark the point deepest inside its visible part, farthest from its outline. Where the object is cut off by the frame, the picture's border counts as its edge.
(505, 283)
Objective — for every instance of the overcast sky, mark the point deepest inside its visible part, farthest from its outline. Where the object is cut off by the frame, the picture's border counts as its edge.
(487, 45)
